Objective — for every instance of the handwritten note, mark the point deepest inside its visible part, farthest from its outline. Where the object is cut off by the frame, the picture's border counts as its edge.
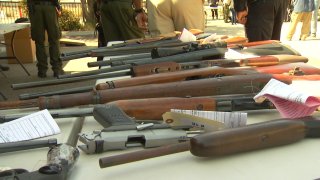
(36, 125)
(229, 119)
(289, 102)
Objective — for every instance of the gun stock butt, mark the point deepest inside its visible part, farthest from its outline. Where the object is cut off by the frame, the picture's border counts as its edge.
(248, 138)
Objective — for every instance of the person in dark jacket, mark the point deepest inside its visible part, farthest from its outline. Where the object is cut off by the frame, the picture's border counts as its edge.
(262, 18)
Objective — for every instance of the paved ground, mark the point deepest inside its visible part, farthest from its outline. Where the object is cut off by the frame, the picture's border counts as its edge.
(15, 75)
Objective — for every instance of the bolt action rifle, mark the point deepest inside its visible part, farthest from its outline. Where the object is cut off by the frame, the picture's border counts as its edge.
(203, 87)
(153, 108)
(95, 95)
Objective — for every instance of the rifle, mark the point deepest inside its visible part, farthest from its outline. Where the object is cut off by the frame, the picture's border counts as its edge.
(184, 57)
(261, 48)
(122, 49)
(155, 68)
(203, 87)
(230, 141)
(173, 77)
(153, 108)
(166, 51)
(196, 73)
(236, 42)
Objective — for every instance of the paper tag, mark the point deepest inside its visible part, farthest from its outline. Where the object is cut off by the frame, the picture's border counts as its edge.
(176, 119)
(289, 102)
(36, 125)
(229, 119)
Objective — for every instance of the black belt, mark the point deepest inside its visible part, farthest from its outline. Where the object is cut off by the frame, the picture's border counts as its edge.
(106, 1)
(43, 3)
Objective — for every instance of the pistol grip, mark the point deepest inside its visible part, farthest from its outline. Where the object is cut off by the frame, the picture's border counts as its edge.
(111, 115)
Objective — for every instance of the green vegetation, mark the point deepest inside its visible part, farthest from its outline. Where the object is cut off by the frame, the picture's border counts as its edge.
(68, 21)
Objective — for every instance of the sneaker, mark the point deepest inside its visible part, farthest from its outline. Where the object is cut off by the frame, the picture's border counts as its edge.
(42, 75)
(313, 35)
(57, 73)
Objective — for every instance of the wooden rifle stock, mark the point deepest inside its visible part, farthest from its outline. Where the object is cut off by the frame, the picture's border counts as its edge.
(291, 68)
(270, 60)
(229, 141)
(237, 44)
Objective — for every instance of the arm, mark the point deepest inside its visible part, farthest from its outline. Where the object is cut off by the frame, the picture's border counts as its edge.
(240, 7)
(141, 16)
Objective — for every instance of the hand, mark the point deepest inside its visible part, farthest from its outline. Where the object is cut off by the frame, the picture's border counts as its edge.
(242, 16)
(142, 21)
(58, 11)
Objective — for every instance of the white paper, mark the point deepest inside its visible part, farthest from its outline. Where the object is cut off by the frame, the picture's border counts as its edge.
(288, 101)
(310, 87)
(187, 36)
(230, 119)
(232, 54)
(36, 125)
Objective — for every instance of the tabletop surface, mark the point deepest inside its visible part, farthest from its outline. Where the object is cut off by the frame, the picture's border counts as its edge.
(7, 28)
(300, 160)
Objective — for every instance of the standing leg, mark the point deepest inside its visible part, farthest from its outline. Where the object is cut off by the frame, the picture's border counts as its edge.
(305, 28)
(295, 19)
(38, 35)
(54, 35)
(315, 18)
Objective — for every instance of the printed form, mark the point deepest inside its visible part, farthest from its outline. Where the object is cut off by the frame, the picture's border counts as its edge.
(36, 125)
(289, 102)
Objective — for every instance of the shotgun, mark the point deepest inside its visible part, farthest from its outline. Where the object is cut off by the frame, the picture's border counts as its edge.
(230, 141)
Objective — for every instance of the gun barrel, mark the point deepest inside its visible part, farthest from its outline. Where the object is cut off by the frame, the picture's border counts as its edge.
(26, 96)
(145, 154)
(108, 62)
(68, 80)
(24, 145)
(74, 112)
